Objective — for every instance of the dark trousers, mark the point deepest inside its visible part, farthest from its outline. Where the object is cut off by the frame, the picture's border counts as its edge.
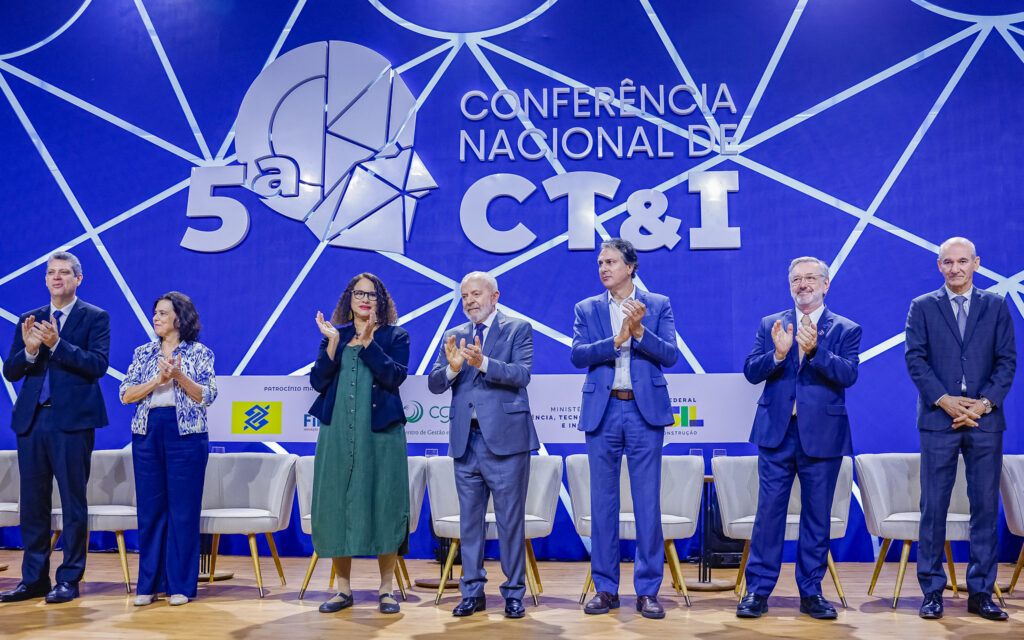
(776, 467)
(169, 473)
(480, 474)
(46, 452)
(983, 459)
(624, 431)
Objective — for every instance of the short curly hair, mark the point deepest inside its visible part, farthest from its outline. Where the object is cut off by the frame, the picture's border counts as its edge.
(186, 319)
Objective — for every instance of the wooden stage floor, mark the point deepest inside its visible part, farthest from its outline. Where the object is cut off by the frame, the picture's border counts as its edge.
(231, 609)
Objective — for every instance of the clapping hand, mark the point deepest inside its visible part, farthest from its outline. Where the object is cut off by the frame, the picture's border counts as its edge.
(326, 328)
(454, 353)
(807, 338)
(365, 337)
(31, 335)
(635, 311)
(783, 339)
(48, 331)
(473, 354)
(168, 369)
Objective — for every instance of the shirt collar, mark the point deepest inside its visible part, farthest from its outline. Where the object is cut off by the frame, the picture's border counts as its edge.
(949, 292)
(66, 309)
(815, 315)
(489, 320)
(611, 300)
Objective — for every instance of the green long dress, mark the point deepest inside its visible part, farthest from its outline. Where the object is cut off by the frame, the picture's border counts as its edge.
(360, 478)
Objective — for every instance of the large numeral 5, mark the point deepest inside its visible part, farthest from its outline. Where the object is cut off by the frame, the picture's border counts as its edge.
(202, 203)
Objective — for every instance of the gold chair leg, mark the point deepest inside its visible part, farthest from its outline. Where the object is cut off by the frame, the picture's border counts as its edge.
(531, 581)
(256, 562)
(677, 569)
(449, 561)
(401, 583)
(309, 574)
(532, 559)
(999, 593)
(878, 563)
(587, 583)
(277, 560)
(213, 555)
(671, 569)
(54, 538)
(952, 569)
(904, 555)
(740, 573)
(1016, 571)
(835, 579)
(124, 560)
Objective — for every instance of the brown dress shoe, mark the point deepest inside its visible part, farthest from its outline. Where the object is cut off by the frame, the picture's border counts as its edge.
(602, 602)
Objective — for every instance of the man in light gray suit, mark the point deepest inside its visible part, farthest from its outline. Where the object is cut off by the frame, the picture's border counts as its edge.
(486, 362)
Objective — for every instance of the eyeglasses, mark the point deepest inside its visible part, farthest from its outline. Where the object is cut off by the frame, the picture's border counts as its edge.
(807, 279)
(365, 295)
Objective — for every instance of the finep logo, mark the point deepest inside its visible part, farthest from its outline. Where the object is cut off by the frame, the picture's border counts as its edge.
(413, 411)
(249, 418)
(686, 416)
(325, 136)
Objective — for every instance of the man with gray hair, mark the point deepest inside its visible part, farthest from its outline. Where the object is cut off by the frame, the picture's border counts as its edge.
(961, 355)
(486, 362)
(801, 429)
(60, 351)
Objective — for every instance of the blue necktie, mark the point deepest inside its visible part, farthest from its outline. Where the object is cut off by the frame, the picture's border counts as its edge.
(44, 392)
(961, 314)
(480, 333)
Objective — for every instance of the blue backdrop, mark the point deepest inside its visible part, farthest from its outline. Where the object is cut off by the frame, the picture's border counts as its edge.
(868, 132)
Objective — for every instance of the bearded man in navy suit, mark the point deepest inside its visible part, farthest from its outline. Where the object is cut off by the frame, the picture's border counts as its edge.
(60, 351)
(961, 356)
(801, 429)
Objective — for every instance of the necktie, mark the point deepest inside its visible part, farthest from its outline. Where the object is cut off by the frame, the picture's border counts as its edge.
(44, 392)
(961, 314)
(806, 322)
(479, 329)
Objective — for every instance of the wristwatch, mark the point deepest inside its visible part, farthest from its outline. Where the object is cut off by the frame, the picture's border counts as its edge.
(988, 405)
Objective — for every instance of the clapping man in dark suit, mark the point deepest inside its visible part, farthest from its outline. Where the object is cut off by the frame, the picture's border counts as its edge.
(961, 356)
(486, 362)
(801, 429)
(60, 351)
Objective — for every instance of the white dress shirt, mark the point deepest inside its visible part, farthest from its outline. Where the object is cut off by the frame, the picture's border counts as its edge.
(621, 381)
(956, 310)
(65, 311)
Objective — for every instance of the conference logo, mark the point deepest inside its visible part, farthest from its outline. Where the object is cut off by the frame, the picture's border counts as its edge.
(250, 418)
(686, 416)
(325, 137)
(413, 411)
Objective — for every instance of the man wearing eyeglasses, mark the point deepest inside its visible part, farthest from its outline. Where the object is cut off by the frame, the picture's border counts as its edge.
(806, 357)
(961, 355)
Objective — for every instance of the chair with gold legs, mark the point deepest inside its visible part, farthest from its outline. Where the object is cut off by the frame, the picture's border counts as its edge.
(1011, 486)
(890, 485)
(541, 505)
(682, 480)
(10, 488)
(248, 494)
(737, 486)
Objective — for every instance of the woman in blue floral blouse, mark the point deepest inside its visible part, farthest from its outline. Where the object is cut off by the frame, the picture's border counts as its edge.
(171, 380)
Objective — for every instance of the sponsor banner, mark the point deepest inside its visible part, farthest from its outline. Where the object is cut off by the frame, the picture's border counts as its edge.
(715, 407)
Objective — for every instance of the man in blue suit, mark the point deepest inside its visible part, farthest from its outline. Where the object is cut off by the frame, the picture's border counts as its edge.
(801, 429)
(60, 351)
(623, 337)
(486, 363)
(961, 356)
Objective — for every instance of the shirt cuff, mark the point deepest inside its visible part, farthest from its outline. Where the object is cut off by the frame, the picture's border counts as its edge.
(483, 366)
(29, 358)
(448, 372)
(776, 360)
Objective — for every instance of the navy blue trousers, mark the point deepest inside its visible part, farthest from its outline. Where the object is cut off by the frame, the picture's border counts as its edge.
(169, 473)
(983, 459)
(624, 431)
(479, 475)
(46, 452)
(776, 467)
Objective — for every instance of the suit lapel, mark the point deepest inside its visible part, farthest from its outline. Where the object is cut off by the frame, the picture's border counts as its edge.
(492, 334)
(603, 315)
(73, 320)
(976, 309)
(946, 309)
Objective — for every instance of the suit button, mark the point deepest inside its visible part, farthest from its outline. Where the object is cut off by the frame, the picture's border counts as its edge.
(471, 404)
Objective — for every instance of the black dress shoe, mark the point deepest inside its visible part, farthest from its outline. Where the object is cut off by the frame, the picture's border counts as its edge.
(62, 592)
(514, 608)
(469, 606)
(752, 606)
(387, 607)
(818, 608)
(931, 608)
(602, 602)
(649, 607)
(23, 592)
(333, 605)
(981, 604)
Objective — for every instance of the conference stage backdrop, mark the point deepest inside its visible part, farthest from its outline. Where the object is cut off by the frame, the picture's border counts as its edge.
(257, 155)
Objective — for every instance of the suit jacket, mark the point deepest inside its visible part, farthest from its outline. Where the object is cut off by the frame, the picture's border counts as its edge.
(593, 347)
(498, 396)
(938, 359)
(387, 358)
(818, 385)
(75, 365)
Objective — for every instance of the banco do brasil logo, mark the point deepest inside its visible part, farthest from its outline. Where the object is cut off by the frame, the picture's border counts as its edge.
(413, 411)
(325, 137)
(256, 418)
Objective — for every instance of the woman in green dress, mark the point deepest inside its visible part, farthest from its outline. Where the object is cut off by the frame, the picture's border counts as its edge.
(361, 474)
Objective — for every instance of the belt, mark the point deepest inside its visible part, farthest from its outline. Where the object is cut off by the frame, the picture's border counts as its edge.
(621, 395)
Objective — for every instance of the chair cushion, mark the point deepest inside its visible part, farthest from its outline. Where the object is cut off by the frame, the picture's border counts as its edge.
(905, 525)
(236, 520)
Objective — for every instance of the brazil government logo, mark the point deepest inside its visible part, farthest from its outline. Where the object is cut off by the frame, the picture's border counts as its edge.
(686, 416)
(413, 411)
(256, 418)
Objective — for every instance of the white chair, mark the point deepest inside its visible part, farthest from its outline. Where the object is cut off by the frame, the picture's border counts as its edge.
(682, 481)
(737, 485)
(541, 504)
(1011, 485)
(10, 487)
(111, 497)
(248, 493)
(890, 485)
(304, 485)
